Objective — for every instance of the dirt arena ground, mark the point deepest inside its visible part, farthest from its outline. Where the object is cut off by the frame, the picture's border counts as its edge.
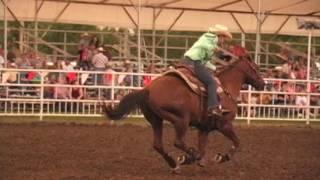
(80, 152)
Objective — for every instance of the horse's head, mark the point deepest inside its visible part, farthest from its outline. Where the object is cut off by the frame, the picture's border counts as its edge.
(251, 71)
(248, 67)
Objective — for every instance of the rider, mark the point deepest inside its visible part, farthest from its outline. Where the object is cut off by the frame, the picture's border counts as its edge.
(200, 55)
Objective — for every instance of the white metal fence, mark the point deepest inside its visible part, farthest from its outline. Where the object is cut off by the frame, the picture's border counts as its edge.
(22, 95)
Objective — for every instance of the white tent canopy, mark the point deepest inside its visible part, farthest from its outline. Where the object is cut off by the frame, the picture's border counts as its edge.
(278, 16)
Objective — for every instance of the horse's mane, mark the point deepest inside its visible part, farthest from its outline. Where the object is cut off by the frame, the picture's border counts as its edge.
(240, 53)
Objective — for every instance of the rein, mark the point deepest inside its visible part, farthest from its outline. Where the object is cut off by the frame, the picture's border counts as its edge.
(251, 66)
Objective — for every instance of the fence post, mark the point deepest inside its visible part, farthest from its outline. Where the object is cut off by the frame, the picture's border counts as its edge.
(166, 49)
(112, 85)
(249, 106)
(41, 94)
(308, 78)
(65, 41)
(243, 40)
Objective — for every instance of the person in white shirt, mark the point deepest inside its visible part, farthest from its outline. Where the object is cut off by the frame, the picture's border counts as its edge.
(66, 65)
(99, 62)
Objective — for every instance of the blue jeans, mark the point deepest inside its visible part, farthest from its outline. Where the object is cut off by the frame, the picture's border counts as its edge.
(206, 78)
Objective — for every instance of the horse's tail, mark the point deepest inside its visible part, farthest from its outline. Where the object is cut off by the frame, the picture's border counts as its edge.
(126, 105)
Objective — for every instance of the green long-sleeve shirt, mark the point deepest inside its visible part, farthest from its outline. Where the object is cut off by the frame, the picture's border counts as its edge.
(202, 49)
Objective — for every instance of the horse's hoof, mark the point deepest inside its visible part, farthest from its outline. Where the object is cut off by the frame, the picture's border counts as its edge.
(218, 158)
(182, 159)
(176, 170)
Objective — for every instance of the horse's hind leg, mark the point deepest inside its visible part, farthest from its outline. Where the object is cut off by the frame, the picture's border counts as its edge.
(157, 126)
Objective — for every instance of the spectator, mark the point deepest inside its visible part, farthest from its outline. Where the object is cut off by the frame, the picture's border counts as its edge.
(285, 53)
(23, 62)
(84, 41)
(265, 99)
(34, 59)
(48, 91)
(107, 53)
(68, 66)
(94, 42)
(99, 62)
(280, 98)
(33, 77)
(83, 50)
(290, 89)
(84, 58)
(61, 92)
(302, 69)
(301, 100)
(286, 57)
(147, 79)
(109, 76)
(11, 56)
(76, 92)
(287, 68)
(269, 85)
(126, 79)
(10, 76)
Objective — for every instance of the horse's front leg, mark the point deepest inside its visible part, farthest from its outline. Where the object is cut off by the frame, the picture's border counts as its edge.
(202, 144)
(228, 131)
(191, 153)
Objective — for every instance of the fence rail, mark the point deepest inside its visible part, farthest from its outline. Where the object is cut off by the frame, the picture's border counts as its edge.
(24, 97)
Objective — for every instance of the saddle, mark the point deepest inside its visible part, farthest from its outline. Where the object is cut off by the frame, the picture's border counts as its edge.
(187, 74)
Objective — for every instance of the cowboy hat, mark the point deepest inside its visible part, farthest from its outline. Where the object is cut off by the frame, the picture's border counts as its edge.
(220, 30)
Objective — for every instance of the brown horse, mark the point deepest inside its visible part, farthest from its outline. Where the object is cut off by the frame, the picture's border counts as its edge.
(169, 98)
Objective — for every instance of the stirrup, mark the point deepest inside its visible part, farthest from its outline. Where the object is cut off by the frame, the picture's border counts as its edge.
(225, 111)
(215, 112)
(218, 111)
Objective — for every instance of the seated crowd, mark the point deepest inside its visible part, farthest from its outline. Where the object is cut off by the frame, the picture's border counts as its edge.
(92, 57)
(287, 82)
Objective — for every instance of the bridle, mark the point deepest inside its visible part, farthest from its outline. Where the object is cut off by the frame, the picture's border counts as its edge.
(251, 65)
(225, 90)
